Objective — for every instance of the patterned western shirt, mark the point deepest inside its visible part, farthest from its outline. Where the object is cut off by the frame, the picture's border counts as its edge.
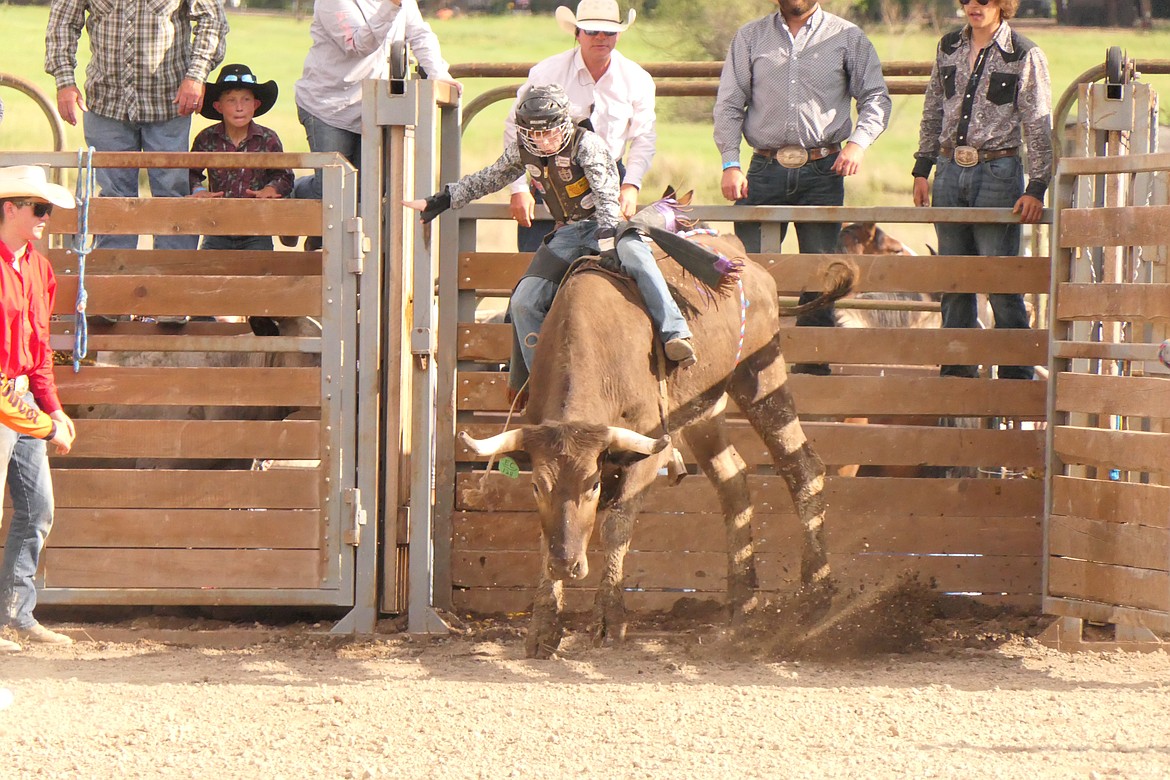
(777, 90)
(1006, 95)
(234, 182)
(592, 155)
(141, 50)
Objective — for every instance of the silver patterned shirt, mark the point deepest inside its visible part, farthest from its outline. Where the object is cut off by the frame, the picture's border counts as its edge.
(593, 157)
(777, 89)
(1011, 99)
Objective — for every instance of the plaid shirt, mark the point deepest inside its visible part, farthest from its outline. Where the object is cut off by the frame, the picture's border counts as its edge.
(233, 182)
(141, 50)
(1009, 96)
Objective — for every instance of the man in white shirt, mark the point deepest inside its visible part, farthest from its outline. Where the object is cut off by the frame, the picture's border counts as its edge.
(351, 43)
(615, 94)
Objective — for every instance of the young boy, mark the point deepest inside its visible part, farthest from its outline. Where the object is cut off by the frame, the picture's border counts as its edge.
(235, 99)
(579, 179)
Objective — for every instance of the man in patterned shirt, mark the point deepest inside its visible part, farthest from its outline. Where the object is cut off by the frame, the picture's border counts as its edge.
(787, 87)
(989, 90)
(235, 99)
(144, 80)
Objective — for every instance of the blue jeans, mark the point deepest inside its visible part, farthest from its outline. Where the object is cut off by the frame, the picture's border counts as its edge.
(814, 184)
(26, 471)
(111, 135)
(324, 137)
(237, 242)
(533, 296)
(993, 184)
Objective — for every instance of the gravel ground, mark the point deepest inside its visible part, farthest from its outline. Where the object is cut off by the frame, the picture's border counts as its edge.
(978, 699)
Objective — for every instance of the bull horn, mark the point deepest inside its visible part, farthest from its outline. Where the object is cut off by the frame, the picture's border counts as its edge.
(623, 439)
(508, 441)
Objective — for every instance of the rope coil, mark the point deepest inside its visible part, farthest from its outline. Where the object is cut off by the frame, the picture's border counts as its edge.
(82, 246)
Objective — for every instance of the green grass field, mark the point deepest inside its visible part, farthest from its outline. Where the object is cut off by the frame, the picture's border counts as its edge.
(275, 46)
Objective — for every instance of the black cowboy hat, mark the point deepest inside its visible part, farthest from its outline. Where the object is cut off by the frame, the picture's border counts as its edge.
(238, 77)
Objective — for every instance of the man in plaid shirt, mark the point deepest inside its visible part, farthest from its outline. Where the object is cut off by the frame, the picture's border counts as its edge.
(144, 80)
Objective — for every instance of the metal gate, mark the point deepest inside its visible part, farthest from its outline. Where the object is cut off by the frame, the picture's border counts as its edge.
(1107, 500)
(212, 465)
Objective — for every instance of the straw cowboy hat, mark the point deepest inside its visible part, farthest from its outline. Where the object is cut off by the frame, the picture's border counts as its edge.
(596, 15)
(30, 181)
(238, 77)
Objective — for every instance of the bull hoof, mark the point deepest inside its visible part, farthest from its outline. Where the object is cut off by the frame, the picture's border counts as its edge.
(607, 633)
(814, 602)
(543, 642)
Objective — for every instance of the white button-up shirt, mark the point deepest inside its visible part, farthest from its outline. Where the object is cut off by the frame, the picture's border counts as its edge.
(620, 107)
(351, 43)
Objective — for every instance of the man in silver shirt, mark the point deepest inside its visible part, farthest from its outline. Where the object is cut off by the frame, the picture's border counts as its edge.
(989, 91)
(788, 86)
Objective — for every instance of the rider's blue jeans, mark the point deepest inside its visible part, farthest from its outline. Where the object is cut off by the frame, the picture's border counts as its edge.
(533, 296)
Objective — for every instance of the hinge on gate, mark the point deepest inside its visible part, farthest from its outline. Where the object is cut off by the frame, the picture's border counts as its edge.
(359, 245)
(422, 346)
(357, 515)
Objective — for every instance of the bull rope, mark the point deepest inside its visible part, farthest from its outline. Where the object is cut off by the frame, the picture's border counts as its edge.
(82, 246)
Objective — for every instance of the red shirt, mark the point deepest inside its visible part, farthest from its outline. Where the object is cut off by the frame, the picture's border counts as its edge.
(26, 299)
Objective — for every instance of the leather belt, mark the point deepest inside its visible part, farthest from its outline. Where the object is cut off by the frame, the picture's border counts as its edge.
(968, 156)
(798, 156)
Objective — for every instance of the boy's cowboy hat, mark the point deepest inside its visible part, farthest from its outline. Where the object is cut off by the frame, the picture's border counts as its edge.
(238, 77)
(595, 15)
(30, 181)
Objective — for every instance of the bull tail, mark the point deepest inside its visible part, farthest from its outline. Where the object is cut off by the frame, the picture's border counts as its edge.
(840, 277)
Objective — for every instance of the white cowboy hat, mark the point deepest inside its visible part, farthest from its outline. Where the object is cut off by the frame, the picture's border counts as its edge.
(597, 15)
(30, 181)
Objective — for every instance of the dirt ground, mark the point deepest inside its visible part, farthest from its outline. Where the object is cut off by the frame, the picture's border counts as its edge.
(964, 696)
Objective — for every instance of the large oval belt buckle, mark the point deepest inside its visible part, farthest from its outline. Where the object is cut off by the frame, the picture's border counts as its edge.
(792, 156)
(966, 156)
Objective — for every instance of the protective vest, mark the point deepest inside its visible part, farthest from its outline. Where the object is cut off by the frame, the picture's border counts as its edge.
(562, 181)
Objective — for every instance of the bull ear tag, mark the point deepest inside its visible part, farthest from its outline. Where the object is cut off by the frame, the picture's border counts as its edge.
(509, 468)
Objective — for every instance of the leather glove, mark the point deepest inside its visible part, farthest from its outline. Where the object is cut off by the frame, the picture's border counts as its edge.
(607, 242)
(436, 205)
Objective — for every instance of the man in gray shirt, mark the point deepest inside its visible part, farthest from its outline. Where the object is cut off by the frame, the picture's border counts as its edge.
(788, 86)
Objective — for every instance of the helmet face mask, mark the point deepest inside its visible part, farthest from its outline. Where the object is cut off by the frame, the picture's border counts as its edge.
(543, 123)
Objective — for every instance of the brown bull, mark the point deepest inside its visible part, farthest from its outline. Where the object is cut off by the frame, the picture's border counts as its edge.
(595, 436)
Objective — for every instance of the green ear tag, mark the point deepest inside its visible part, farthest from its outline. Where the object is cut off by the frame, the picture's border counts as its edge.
(509, 468)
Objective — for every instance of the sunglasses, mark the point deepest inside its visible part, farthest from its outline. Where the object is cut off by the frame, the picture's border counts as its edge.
(248, 78)
(968, 2)
(606, 33)
(39, 209)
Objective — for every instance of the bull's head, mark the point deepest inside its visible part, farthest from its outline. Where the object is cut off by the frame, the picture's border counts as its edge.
(567, 464)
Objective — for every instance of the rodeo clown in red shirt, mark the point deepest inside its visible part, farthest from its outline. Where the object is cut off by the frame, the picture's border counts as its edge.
(29, 408)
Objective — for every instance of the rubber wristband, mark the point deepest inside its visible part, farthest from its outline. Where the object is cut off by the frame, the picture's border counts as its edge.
(733, 164)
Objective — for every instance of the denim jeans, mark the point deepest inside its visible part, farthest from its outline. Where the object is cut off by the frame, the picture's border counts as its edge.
(237, 242)
(814, 184)
(992, 184)
(26, 472)
(533, 296)
(111, 135)
(324, 137)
